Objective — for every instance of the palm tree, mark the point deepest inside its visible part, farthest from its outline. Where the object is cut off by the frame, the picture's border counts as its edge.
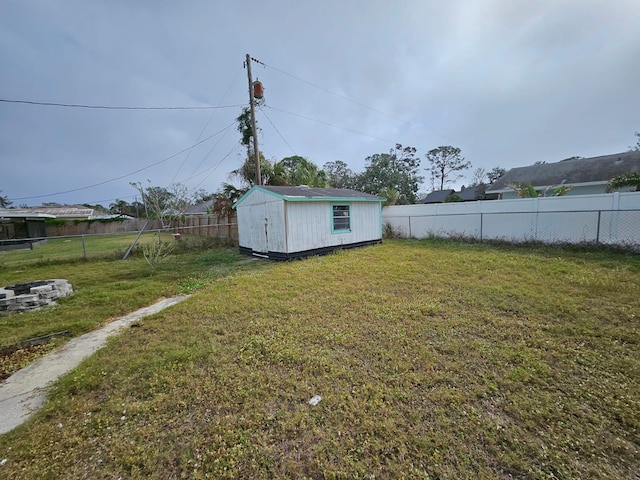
(120, 207)
(297, 170)
(526, 190)
(224, 200)
(247, 171)
(4, 201)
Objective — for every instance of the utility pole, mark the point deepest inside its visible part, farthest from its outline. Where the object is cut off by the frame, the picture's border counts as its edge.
(252, 102)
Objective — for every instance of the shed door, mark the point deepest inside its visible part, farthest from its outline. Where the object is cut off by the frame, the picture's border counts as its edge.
(260, 230)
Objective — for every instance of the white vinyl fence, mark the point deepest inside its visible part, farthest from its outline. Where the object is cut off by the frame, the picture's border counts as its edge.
(612, 219)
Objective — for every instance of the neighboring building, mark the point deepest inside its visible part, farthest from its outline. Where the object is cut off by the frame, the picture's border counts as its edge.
(469, 194)
(61, 213)
(437, 196)
(202, 208)
(586, 176)
(477, 192)
(17, 228)
(294, 222)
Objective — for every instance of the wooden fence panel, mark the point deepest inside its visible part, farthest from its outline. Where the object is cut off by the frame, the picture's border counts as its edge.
(201, 225)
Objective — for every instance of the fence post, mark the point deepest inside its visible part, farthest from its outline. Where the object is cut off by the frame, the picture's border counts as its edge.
(84, 248)
(598, 230)
(481, 225)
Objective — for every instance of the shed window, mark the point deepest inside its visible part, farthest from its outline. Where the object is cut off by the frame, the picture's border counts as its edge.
(341, 218)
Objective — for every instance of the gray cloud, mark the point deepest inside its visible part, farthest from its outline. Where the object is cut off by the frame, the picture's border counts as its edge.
(508, 82)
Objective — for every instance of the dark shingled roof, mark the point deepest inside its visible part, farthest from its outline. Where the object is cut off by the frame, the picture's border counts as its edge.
(438, 196)
(470, 194)
(571, 172)
(314, 192)
(200, 208)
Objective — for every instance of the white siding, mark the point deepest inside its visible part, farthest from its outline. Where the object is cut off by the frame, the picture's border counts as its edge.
(268, 223)
(261, 224)
(309, 225)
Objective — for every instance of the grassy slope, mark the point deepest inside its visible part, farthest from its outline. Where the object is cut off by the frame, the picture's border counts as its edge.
(433, 360)
(104, 287)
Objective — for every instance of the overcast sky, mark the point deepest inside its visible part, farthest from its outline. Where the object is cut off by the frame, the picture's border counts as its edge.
(510, 82)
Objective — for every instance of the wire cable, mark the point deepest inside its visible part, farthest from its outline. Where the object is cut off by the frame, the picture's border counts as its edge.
(130, 173)
(214, 167)
(351, 100)
(278, 131)
(339, 95)
(193, 173)
(206, 125)
(331, 125)
(116, 107)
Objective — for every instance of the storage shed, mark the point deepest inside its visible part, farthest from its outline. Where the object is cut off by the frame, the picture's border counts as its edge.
(294, 222)
(18, 229)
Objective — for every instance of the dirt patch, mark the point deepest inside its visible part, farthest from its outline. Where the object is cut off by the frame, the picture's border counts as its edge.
(13, 360)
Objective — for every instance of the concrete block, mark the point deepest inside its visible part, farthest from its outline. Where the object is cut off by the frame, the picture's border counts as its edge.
(26, 298)
(41, 289)
(6, 293)
(48, 295)
(41, 294)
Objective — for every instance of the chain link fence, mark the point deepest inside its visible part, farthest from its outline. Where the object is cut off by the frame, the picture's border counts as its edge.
(14, 252)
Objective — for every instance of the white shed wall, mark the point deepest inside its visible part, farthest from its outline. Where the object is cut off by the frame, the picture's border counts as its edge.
(267, 223)
(261, 223)
(309, 225)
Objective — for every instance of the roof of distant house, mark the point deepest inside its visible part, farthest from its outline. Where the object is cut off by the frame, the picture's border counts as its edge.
(595, 170)
(64, 212)
(201, 208)
(437, 196)
(22, 213)
(470, 194)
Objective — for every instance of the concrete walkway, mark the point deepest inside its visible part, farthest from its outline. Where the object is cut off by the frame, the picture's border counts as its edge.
(25, 391)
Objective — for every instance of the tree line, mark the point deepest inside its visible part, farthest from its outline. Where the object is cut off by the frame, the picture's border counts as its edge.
(394, 175)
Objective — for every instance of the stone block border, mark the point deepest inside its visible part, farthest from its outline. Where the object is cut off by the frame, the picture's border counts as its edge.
(24, 297)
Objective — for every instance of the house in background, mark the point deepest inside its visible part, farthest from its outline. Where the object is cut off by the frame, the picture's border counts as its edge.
(585, 176)
(61, 213)
(202, 208)
(18, 228)
(294, 222)
(469, 194)
(437, 196)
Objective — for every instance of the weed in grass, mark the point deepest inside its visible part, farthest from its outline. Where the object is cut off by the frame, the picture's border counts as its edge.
(190, 285)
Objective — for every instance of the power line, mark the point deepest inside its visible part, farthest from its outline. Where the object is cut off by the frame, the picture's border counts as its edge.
(115, 107)
(351, 100)
(339, 95)
(128, 174)
(331, 125)
(214, 167)
(206, 125)
(277, 131)
(193, 173)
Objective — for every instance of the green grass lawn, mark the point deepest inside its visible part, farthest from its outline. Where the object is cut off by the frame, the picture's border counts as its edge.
(71, 249)
(433, 360)
(105, 287)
